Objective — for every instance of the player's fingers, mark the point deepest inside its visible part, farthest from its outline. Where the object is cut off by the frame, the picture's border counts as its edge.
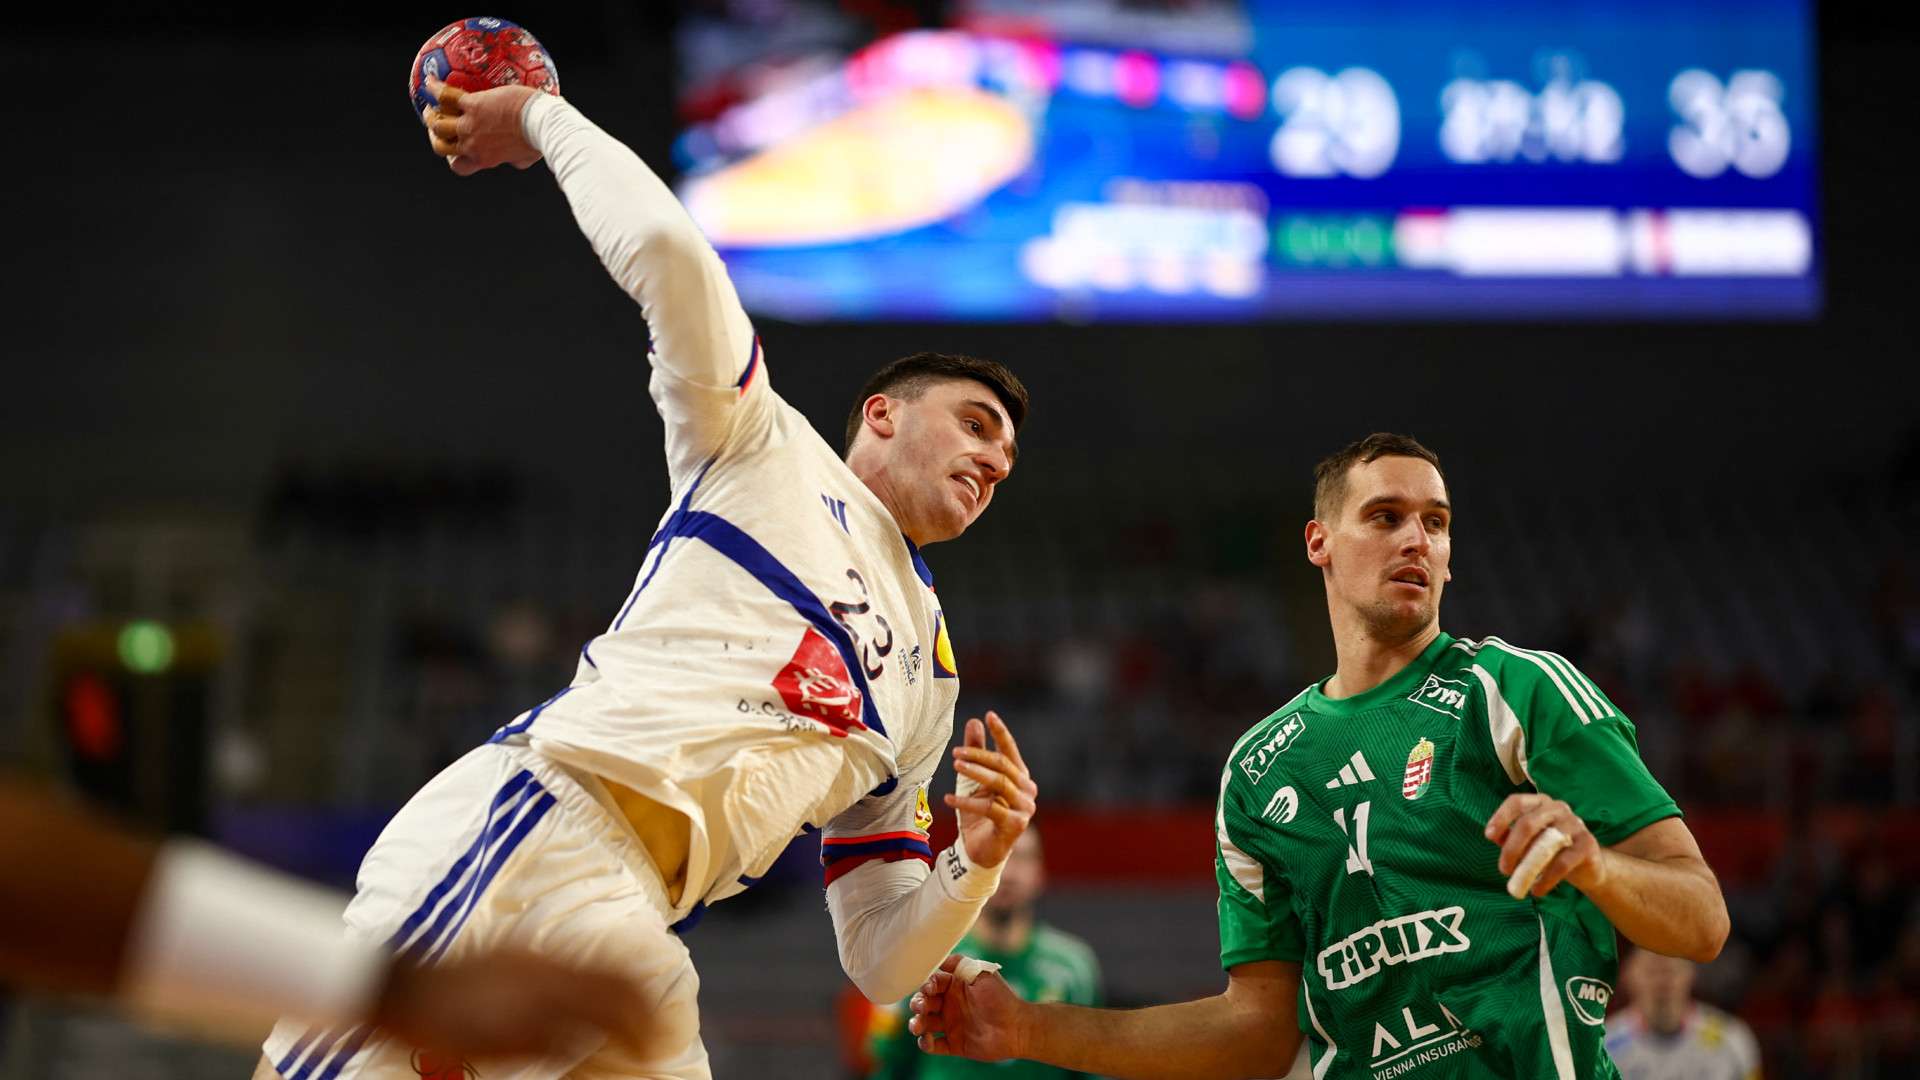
(442, 146)
(976, 734)
(464, 166)
(448, 97)
(1011, 819)
(1003, 739)
(1504, 817)
(971, 804)
(1558, 869)
(933, 1044)
(988, 759)
(1521, 835)
(449, 128)
(999, 783)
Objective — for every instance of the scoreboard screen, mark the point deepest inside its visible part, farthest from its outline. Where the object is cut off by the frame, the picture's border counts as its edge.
(1219, 160)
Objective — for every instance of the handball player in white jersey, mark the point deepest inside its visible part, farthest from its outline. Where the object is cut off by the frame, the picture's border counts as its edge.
(780, 666)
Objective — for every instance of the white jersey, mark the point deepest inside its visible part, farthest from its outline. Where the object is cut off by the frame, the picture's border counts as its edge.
(1710, 1045)
(781, 663)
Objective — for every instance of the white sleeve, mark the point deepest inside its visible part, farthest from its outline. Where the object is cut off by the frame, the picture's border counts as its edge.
(895, 921)
(707, 368)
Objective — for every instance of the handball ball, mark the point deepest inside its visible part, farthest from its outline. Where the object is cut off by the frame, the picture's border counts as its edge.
(479, 54)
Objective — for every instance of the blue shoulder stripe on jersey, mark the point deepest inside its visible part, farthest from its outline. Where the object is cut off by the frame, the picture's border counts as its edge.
(587, 656)
(728, 539)
(831, 855)
(511, 730)
(664, 540)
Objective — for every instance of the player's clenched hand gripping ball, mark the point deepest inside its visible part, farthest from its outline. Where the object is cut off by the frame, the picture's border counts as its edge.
(470, 83)
(480, 54)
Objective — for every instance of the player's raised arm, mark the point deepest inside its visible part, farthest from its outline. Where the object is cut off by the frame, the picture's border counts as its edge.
(703, 348)
(1249, 1030)
(894, 918)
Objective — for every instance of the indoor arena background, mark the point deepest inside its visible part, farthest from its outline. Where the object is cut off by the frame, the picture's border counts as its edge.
(318, 464)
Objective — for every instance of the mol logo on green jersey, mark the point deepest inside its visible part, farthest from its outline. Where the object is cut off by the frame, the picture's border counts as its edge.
(1261, 758)
(1448, 697)
(1404, 940)
(1589, 998)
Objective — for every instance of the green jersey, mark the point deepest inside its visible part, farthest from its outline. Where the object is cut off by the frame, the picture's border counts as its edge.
(1351, 840)
(1054, 966)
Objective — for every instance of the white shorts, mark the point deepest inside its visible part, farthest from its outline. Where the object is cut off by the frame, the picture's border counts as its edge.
(507, 847)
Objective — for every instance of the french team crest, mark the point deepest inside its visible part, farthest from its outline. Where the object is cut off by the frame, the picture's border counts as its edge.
(1419, 772)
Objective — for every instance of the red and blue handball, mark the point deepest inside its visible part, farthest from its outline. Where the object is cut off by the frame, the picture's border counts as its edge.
(480, 54)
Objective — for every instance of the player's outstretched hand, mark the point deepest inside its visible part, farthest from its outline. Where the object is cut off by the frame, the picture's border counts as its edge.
(995, 793)
(479, 129)
(1522, 818)
(506, 1004)
(979, 1020)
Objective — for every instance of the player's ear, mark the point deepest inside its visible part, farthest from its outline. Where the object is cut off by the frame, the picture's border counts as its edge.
(1317, 545)
(879, 415)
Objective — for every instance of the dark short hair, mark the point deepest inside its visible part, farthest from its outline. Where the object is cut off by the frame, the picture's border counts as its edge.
(1330, 476)
(911, 376)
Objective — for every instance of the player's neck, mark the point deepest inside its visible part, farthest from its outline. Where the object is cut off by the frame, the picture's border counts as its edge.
(878, 481)
(1365, 662)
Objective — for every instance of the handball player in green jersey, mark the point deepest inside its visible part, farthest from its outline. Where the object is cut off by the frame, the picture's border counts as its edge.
(1368, 832)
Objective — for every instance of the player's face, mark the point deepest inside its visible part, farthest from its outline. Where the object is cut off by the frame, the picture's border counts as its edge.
(1390, 549)
(951, 447)
(1021, 878)
(1661, 988)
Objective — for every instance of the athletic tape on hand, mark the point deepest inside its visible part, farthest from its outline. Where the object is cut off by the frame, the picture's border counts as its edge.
(1549, 843)
(969, 969)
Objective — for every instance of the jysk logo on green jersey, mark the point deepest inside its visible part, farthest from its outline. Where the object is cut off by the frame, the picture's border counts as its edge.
(1445, 696)
(1261, 758)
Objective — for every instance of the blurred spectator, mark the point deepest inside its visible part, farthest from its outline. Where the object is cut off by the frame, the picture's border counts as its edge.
(1665, 1034)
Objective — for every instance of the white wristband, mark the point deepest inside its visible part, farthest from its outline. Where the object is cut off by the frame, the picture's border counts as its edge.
(961, 878)
(227, 946)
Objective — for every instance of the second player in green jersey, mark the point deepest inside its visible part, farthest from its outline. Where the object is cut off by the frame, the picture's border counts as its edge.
(1367, 836)
(1351, 842)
